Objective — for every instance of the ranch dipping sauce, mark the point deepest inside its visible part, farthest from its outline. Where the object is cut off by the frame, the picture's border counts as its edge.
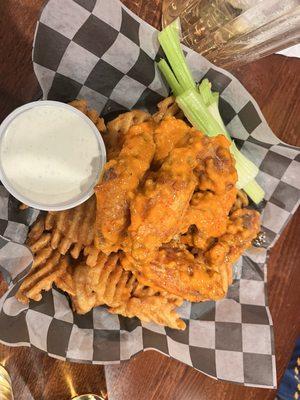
(51, 156)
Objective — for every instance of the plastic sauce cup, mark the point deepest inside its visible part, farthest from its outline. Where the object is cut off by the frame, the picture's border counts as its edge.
(51, 155)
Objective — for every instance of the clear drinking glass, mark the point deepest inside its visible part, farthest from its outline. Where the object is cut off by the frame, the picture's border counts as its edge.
(233, 32)
(6, 392)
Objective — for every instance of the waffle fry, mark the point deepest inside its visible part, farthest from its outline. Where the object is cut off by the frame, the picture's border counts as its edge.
(167, 108)
(72, 229)
(65, 281)
(36, 231)
(41, 278)
(65, 231)
(91, 253)
(105, 283)
(151, 306)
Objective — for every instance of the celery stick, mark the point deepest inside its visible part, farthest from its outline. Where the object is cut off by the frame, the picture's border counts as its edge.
(197, 113)
(211, 100)
(169, 41)
(215, 113)
(246, 170)
(170, 77)
(254, 191)
(206, 93)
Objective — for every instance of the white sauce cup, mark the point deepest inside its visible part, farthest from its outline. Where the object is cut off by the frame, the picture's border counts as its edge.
(85, 190)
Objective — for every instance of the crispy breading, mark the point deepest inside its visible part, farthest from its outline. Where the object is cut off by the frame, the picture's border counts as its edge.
(208, 211)
(159, 206)
(241, 201)
(243, 227)
(93, 115)
(117, 187)
(208, 214)
(179, 272)
(118, 128)
(216, 166)
(167, 108)
(168, 135)
(198, 277)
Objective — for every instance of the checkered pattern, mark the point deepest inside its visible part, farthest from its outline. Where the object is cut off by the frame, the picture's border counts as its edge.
(99, 50)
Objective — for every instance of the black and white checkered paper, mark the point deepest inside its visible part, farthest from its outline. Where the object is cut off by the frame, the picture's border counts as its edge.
(99, 50)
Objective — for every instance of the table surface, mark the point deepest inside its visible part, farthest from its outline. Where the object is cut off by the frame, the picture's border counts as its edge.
(275, 83)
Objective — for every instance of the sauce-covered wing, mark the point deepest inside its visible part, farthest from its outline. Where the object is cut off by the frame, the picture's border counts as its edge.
(117, 187)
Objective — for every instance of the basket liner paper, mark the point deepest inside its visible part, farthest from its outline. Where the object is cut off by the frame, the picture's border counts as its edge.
(100, 51)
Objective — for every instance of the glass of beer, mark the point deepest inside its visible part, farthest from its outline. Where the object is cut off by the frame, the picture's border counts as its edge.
(6, 392)
(233, 32)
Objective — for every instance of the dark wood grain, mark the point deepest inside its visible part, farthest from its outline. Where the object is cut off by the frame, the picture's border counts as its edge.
(274, 83)
(17, 25)
(36, 376)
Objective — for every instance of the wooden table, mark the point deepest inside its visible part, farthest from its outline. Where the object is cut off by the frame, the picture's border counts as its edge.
(275, 84)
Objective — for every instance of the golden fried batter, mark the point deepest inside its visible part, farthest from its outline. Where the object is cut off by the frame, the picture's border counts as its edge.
(243, 226)
(117, 187)
(241, 201)
(216, 168)
(82, 106)
(198, 277)
(167, 108)
(118, 128)
(158, 209)
(209, 213)
(167, 135)
(179, 272)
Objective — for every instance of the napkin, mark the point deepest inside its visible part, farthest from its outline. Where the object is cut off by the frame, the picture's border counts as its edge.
(293, 51)
(101, 51)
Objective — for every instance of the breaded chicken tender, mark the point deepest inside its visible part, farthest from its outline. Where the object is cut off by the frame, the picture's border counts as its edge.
(118, 185)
